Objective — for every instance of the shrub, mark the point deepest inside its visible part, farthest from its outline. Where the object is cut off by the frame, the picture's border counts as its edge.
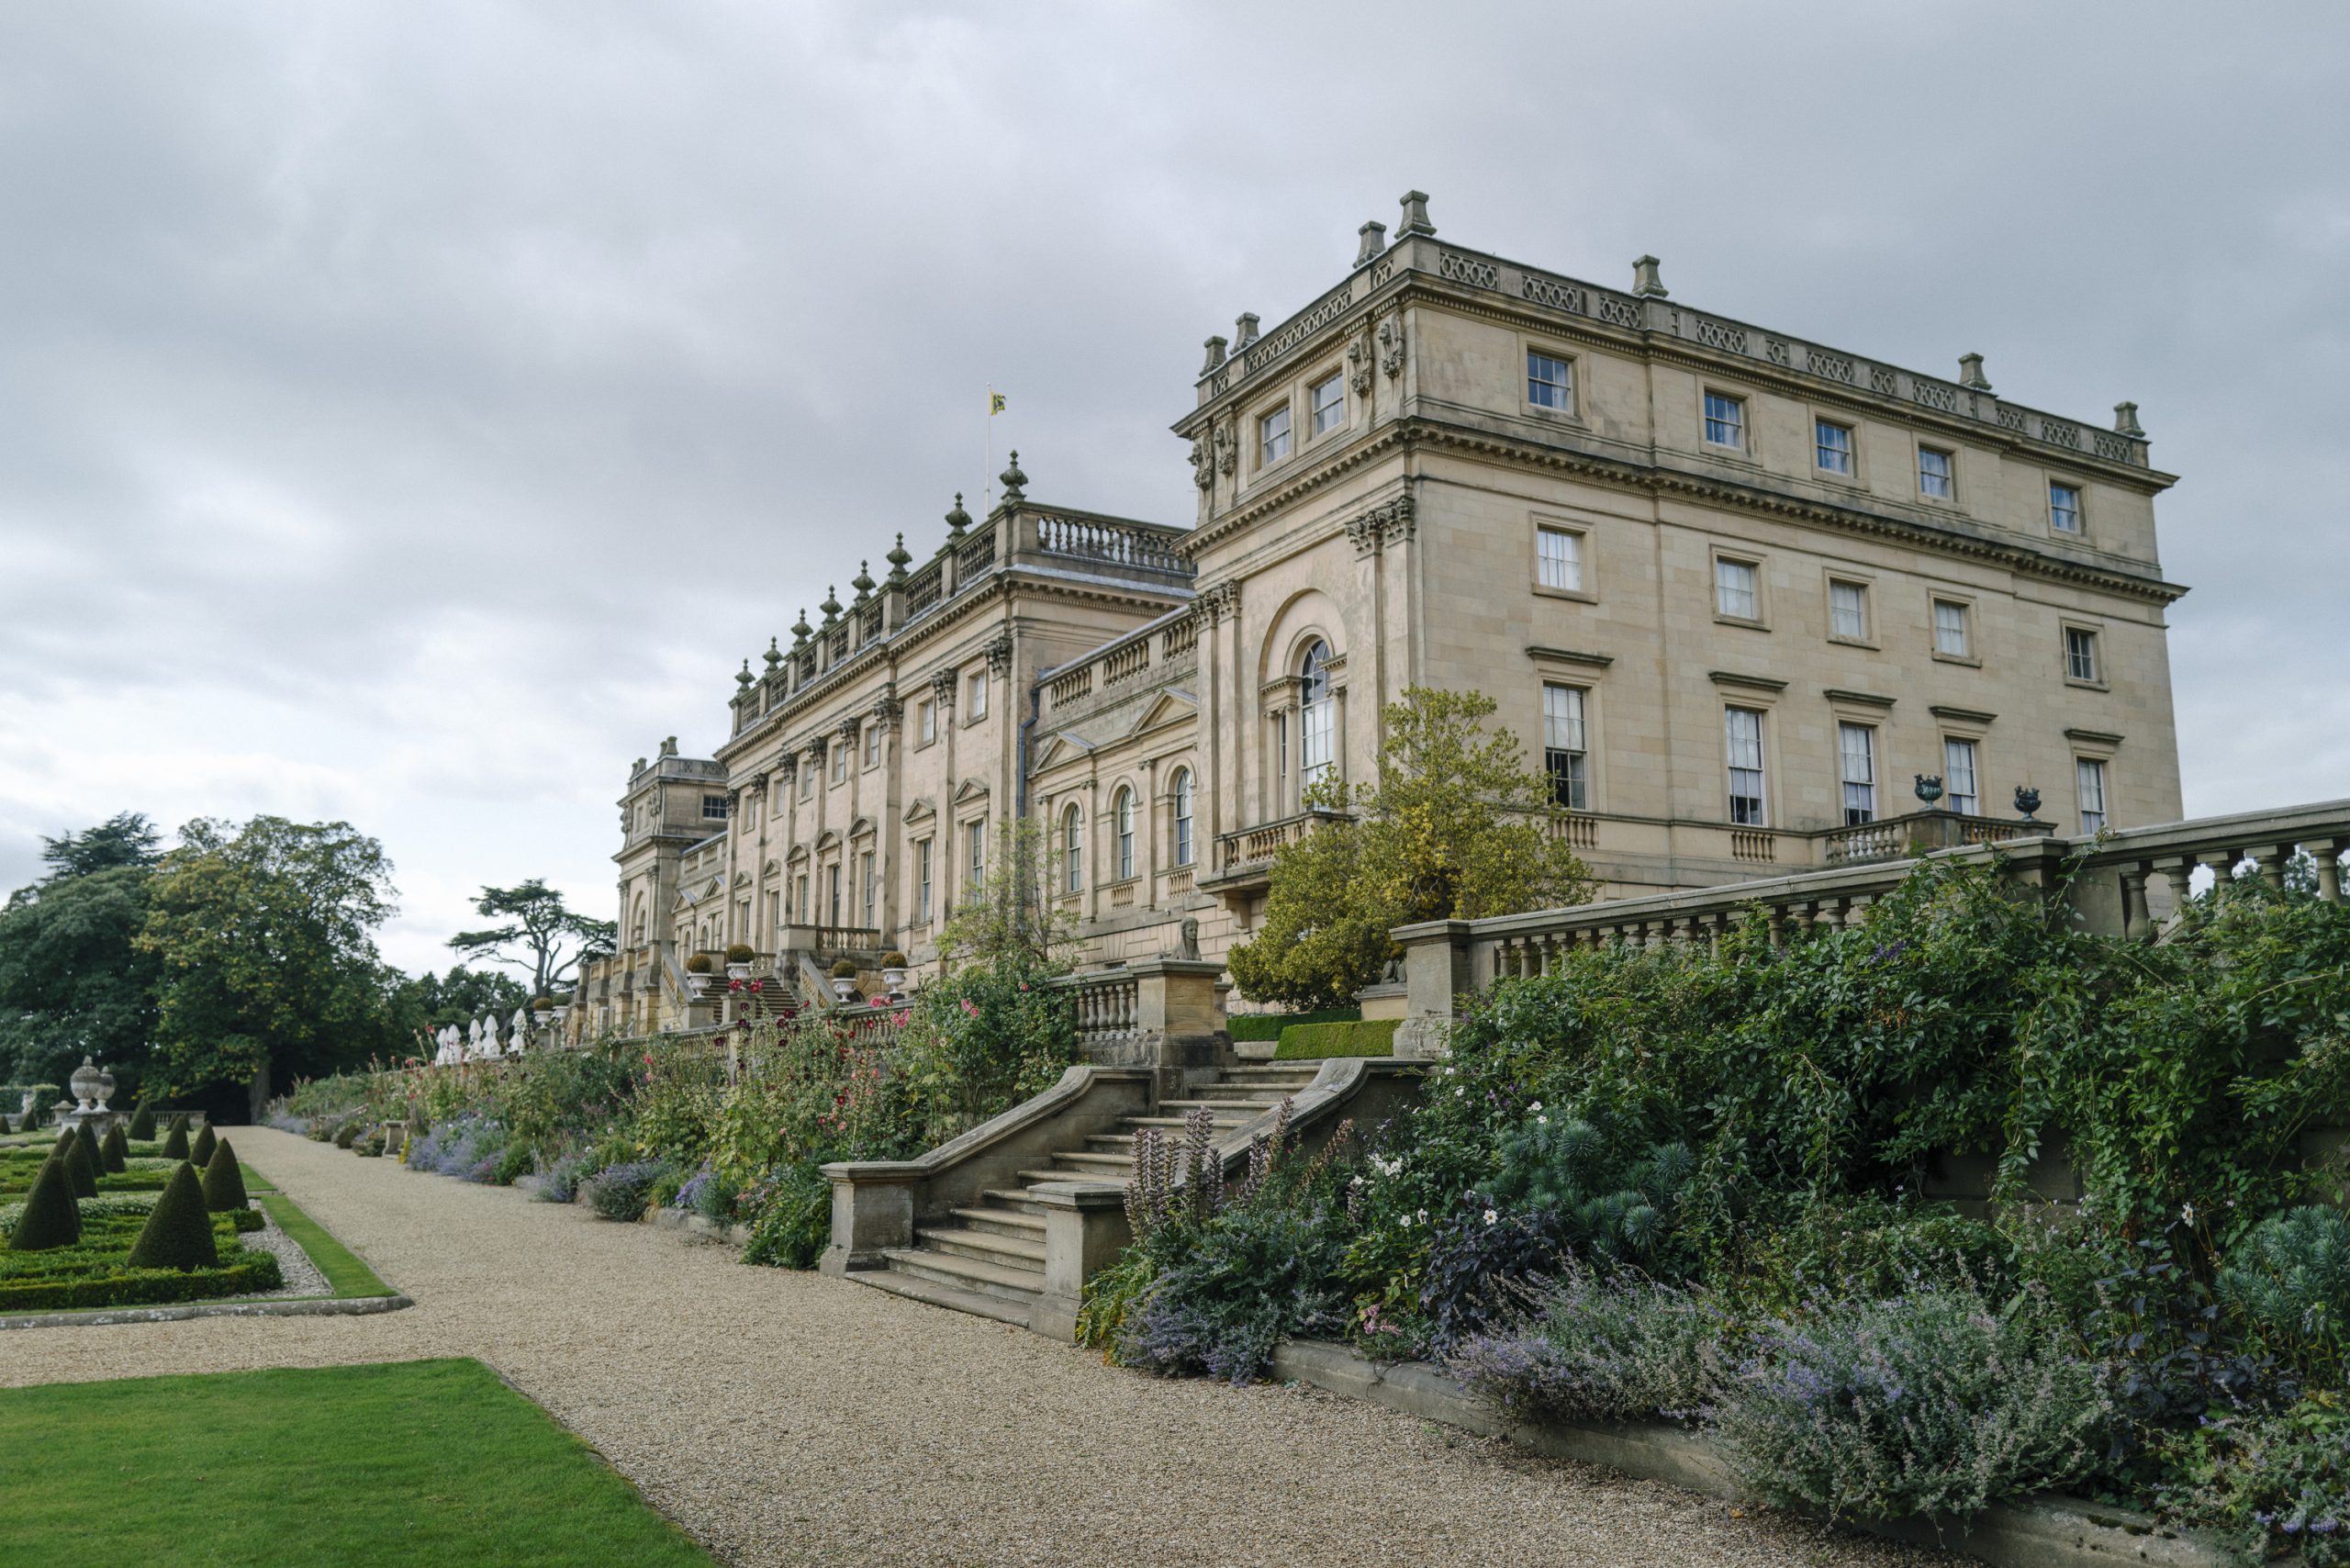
(178, 1234)
(1867, 1247)
(1319, 1042)
(94, 1144)
(1933, 1403)
(200, 1153)
(698, 964)
(845, 969)
(224, 1181)
(347, 1134)
(739, 953)
(1269, 1026)
(559, 1179)
(1475, 1258)
(1247, 1282)
(513, 1162)
(625, 1191)
(175, 1140)
(893, 959)
(115, 1149)
(51, 1217)
(142, 1123)
(73, 1152)
(2277, 1483)
(543, 1004)
(1593, 1346)
(2289, 1282)
(791, 1218)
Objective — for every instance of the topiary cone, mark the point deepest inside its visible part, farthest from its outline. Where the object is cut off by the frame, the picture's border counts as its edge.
(96, 1148)
(142, 1123)
(75, 1155)
(176, 1141)
(224, 1181)
(200, 1155)
(114, 1151)
(51, 1219)
(178, 1235)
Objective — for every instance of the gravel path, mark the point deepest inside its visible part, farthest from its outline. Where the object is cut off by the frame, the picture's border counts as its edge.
(789, 1418)
(301, 1275)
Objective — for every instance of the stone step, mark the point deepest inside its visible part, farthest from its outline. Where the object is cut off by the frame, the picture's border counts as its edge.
(1023, 1286)
(1089, 1161)
(915, 1288)
(1015, 1203)
(1034, 1176)
(1223, 1093)
(1264, 1071)
(1003, 1220)
(1253, 1106)
(1175, 1123)
(985, 1246)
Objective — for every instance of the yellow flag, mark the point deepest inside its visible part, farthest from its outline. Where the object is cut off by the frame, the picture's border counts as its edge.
(995, 404)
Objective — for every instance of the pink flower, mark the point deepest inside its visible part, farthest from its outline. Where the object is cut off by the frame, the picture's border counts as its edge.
(758, 985)
(899, 1018)
(648, 1059)
(733, 985)
(970, 1007)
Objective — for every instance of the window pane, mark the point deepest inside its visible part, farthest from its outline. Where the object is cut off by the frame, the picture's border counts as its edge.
(1856, 761)
(1835, 447)
(1960, 790)
(1950, 628)
(1273, 432)
(1934, 473)
(1564, 755)
(1559, 559)
(1725, 420)
(1329, 404)
(2064, 509)
(1744, 727)
(1847, 611)
(1183, 818)
(2089, 773)
(2080, 653)
(1546, 382)
(1734, 590)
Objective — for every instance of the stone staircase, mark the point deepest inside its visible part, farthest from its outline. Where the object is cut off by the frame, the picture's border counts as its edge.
(989, 1260)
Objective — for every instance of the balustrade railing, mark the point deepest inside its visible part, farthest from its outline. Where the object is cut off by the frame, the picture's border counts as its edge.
(1090, 538)
(1125, 663)
(1105, 1004)
(977, 555)
(924, 588)
(1255, 845)
(1892, 837)
(1180, 638)
(1071, 686)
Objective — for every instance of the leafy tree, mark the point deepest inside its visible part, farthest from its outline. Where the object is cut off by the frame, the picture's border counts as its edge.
(1012, 922)
(73, 981)
(266, 938)
(1454, 827)
(550, 938)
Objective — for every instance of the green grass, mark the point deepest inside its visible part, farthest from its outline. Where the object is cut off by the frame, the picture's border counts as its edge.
(399, 1465)
(1319, 1042)
(345, 1270)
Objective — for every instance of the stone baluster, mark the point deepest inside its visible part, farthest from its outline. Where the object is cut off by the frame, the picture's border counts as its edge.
(2329, 870)
(2273, 864)
(2137, 920)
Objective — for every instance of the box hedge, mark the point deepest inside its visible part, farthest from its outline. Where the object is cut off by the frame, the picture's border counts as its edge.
(114, 1150)
(224, 1183)
(178, 1233)
(1319, 1042)
(142, 1123)
(200, 1153)
(175, 1140)
(75, 1155)
(1269, 1026)
(51, 1218)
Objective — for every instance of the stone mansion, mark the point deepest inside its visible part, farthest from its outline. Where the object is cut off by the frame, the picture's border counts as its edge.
(1734, 590)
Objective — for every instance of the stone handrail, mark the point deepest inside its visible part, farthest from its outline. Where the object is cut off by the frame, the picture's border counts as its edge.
(1255, 845)
(1122, 543)
(2133, 882)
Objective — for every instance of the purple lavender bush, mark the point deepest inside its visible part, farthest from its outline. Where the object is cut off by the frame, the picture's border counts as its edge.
(625, 1191)
(1595, 1346)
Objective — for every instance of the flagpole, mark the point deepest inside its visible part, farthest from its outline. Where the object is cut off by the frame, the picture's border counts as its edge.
(987, 463)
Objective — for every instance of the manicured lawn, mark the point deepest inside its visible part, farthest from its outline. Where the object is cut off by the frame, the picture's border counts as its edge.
(407, 1463)
(345, 1270)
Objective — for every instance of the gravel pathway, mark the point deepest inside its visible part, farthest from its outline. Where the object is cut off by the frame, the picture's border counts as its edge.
(294, 1265)
(789, 1418)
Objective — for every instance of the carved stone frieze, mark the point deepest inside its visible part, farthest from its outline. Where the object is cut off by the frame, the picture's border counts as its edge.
(1390, 522)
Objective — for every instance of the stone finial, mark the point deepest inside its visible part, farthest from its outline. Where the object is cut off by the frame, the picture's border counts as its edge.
(1012, 479)
(897, 560)
(801, 630)
(832, 605)
(1645, 281)
(956, 520)
(773, 657)
(1243, 331)
(1215, 355)
(638, 768)
(2125, 420)
(1970, 373)
(1416, 215)
(1374, 241)
(669, 746)
(743, 677)
(862, 581)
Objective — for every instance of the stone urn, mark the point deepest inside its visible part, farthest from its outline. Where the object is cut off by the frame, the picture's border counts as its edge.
(844, 988)
(106, 1090)
(85, 1085)
(738, 971)
(696, 984)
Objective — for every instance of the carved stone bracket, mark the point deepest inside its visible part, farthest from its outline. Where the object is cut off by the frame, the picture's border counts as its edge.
(848, 729)
(1389, 523)
(1202, 466)
(942, 689)
(1227, 449)
(1358, 367)
(1217, 600)
(999, 654)
(1391, 346)
(886, 710)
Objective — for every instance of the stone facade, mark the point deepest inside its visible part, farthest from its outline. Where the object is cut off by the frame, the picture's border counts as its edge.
(1746, 587)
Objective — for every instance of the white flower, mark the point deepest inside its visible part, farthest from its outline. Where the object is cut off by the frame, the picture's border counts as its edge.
(1424, 1216)
(1405, 1222)
(1536, 1106)
(1458, 1093)
(2186, 1212)
(1542, 1121)
(1491, 1216)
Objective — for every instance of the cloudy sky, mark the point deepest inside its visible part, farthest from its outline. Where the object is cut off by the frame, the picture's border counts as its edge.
(409, 413)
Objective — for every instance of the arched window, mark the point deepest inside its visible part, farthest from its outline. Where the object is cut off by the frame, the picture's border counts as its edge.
(1123, 816)
(636, 925)
(1317, 716)
(1183, 817)
(1072, 850)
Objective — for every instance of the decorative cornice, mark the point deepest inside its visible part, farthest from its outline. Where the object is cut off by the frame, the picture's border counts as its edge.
(1216, 601)
(998, 650)
(1865, 699)
(2095, 737)
(1755, 682)
(1963, 715)
(1571, 657)
(1390, 522)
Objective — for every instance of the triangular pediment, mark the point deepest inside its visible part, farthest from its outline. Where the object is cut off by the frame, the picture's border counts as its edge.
(971, 790)
(1168, 707)
(922, 810)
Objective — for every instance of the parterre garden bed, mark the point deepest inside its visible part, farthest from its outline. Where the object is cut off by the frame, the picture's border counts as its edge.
(94, 1272)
